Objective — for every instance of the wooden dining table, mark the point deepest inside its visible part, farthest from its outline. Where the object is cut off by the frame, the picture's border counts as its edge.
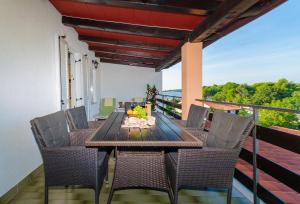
(140, 152)
(164, 134)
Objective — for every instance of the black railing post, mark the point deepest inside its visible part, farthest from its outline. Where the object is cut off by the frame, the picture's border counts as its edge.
(173, 101)
(255, 151)
(163, 98)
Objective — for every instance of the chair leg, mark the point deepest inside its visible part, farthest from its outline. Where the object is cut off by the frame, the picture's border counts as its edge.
(46, 195)
(175, 199)
(97, 193)
(229, 195)
(170, 194)
(106, 176)
(110, 196)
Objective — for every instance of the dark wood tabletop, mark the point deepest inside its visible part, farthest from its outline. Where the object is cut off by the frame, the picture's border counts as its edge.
(165, 133)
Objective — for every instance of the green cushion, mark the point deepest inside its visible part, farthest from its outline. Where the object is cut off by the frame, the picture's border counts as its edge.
(105, 111)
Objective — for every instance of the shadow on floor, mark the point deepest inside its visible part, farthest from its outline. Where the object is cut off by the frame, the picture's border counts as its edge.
(34, 192)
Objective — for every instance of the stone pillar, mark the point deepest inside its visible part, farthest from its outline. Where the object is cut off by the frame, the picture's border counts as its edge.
(191, 62)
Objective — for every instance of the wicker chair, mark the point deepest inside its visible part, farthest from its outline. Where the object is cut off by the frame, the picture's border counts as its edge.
(77, 119)
(196, 118)
(65, 164)
(140, 170)
(212, 166)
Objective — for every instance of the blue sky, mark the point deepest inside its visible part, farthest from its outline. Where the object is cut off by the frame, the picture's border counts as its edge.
(266, 49)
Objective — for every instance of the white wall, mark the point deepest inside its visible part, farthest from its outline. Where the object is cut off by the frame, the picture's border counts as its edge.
(125, 82)
(29, 80)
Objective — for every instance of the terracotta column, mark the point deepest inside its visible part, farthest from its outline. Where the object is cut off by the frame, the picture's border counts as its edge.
(191, 60)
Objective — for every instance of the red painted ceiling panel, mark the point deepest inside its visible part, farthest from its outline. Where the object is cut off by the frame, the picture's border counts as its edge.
(127, 37)
(127, 15)
(154, 52)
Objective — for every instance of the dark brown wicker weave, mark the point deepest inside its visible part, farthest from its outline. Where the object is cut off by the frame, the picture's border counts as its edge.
(213, 166)
(77, 119)
(196, 118)
(140, 170)
(78, 137)
(200, 134)
(65, 164)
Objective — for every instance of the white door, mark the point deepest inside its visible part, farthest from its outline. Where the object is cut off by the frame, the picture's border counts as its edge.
(72, 83)
(79, 80)
(86, 84)
(64, 79)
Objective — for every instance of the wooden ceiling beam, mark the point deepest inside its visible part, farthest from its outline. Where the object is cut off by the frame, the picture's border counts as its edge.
(127, 58)
(132, 44)
(227, 12)
(190, 7)
(126, 53)
(114, 61)
(149, 31)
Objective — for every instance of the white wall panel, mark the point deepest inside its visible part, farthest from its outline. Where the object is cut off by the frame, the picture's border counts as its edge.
(125, 82)
(29, 80)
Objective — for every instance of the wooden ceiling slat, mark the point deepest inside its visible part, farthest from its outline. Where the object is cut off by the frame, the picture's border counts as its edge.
(190, 7)
(113, 61)
(227, 12)
(96, 46)
(117, 27)
(126, 53)
(146, 46)
(127, 15)
(154, 28)
(128, 58)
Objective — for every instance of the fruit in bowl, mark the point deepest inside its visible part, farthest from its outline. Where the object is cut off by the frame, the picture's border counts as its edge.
(138, 112)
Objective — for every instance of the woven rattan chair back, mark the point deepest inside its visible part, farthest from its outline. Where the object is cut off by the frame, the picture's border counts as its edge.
(51, 130)
(228, 130)
(77, 118)
(197, 116)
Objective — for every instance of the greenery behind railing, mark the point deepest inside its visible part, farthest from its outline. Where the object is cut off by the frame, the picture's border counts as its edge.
(282, 94)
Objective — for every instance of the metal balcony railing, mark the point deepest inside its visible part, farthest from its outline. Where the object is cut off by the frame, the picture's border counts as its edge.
(171, 104)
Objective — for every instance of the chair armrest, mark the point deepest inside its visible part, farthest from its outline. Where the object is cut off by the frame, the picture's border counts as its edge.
(198, 133)
(78, 137)
(95, 124)
(70, 165)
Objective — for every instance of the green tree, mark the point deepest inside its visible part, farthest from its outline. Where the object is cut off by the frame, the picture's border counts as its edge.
(276, 118)
(244, 94)
(282, 93)
(264, 93)
(295, 100)
(284, 88)
(227, 92)
(210, 91)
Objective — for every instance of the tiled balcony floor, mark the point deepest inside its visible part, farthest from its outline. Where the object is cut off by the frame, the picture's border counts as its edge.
(33, 194)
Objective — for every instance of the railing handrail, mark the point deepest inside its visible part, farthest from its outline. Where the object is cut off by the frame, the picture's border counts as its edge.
(252, 106)
(243, 105)
(169, 96)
